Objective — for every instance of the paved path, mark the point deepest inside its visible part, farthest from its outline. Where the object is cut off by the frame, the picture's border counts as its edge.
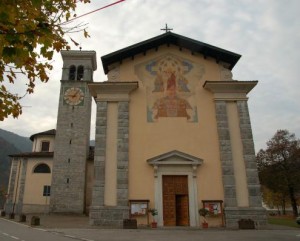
(77, 228)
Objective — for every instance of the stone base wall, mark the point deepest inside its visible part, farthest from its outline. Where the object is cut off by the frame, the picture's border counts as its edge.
(233, 215)
(8, 207)
(26, 208)
(68, 207)
(11, 208)
(35, 208)
(108, 216)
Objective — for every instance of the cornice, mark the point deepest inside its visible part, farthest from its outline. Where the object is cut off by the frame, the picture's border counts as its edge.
(112, 91)
(230, 90)
(80, 54)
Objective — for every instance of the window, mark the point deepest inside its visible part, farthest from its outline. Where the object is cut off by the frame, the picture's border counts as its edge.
(46, 191)
(80, 71)
(72, 72)
(42, 168)
(45, 146)
(76, 73)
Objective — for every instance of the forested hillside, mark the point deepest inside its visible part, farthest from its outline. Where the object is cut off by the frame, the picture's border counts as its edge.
(20, 142)
(10, 143)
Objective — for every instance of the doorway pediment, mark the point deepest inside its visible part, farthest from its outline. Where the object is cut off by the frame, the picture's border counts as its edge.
(176, 165)
(175, 158)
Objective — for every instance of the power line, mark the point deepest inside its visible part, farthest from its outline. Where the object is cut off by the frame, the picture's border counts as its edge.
(98, 9)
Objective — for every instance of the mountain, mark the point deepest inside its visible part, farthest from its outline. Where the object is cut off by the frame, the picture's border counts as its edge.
(10, 143)
(6, 149)
(20, 142)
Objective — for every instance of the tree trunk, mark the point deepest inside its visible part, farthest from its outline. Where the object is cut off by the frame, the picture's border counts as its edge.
(278, 210)
(283, 210)
(293, 201)
(283, 206)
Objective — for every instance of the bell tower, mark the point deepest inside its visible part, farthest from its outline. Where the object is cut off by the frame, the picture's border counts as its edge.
(72, 132)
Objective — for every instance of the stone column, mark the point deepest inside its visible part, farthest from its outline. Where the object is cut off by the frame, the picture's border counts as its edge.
(249, 155)
(9, 204)
(122, 153)
(99, 158)
(226, 154)
(19, 206)
(235, 92)
(255, 201)
(100, 213)
(110, 207)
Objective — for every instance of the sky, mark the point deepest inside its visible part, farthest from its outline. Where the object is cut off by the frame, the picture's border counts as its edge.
(265, 32)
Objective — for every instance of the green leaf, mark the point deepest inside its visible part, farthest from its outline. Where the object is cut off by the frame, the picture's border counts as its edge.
(9, 51)
(3, 16)
(36, 3)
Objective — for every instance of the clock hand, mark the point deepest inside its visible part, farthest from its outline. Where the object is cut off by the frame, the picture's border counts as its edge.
(76, 93)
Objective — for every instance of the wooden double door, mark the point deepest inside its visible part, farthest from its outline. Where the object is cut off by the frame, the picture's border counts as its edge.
(175, 200)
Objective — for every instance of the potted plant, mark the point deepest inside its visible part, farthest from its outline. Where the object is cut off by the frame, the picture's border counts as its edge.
(154, 213)
(204, 212)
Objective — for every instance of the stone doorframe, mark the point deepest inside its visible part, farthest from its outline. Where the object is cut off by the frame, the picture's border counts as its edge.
(176, 163)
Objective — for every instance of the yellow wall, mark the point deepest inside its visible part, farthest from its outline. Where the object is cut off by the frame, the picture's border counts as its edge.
(149, 139)
(237, 156)
(35, 182)
(110, 191)
(37, 143)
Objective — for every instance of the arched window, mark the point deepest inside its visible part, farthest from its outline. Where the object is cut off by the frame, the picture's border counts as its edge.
(72, 72)
(80, 71)
(42, 168)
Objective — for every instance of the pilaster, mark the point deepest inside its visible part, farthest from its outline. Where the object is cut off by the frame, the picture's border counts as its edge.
(105, 95)
(236, 92)
(122, 153)
(226, 155)
(11, 198)
(249, 155)
(23, 171)
(100, 155)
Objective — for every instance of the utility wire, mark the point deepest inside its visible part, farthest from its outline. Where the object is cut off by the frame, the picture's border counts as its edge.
(94, 11)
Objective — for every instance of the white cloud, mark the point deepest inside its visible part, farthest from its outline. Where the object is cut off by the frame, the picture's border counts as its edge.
(265, 32)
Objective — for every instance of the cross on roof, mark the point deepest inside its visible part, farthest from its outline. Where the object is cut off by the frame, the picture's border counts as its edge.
(166, 29)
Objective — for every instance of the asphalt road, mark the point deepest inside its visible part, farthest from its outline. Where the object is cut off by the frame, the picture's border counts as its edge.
(11, 231)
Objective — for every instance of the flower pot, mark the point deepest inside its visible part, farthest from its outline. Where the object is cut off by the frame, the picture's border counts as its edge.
(204, 225)
(154, 225)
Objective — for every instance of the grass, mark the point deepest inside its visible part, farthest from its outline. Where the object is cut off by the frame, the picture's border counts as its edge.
(284, 221)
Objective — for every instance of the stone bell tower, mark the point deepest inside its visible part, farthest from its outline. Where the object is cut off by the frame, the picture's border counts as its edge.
(72, 132)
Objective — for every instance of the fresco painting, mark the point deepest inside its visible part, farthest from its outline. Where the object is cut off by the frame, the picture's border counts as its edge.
(170, 83)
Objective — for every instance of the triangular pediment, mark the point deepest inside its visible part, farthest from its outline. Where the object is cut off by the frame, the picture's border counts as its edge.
(175, 158)
(169, 38)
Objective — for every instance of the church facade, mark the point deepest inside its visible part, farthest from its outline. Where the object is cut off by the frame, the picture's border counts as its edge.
(173, 133)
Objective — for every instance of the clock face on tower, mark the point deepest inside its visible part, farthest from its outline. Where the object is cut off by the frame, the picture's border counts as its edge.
(74, 95)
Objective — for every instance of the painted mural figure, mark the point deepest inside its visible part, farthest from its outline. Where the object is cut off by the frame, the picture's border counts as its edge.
(171, 105)
(168, 83)
(158, 84)
(182, 84)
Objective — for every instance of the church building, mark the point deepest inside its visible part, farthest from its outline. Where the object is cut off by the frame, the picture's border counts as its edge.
(173, 133)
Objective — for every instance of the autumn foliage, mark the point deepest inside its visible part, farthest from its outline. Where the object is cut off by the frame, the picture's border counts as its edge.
(30, 32)
(279, 168)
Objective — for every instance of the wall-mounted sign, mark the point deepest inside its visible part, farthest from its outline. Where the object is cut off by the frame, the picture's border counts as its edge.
(215, 208)
(139, 207)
